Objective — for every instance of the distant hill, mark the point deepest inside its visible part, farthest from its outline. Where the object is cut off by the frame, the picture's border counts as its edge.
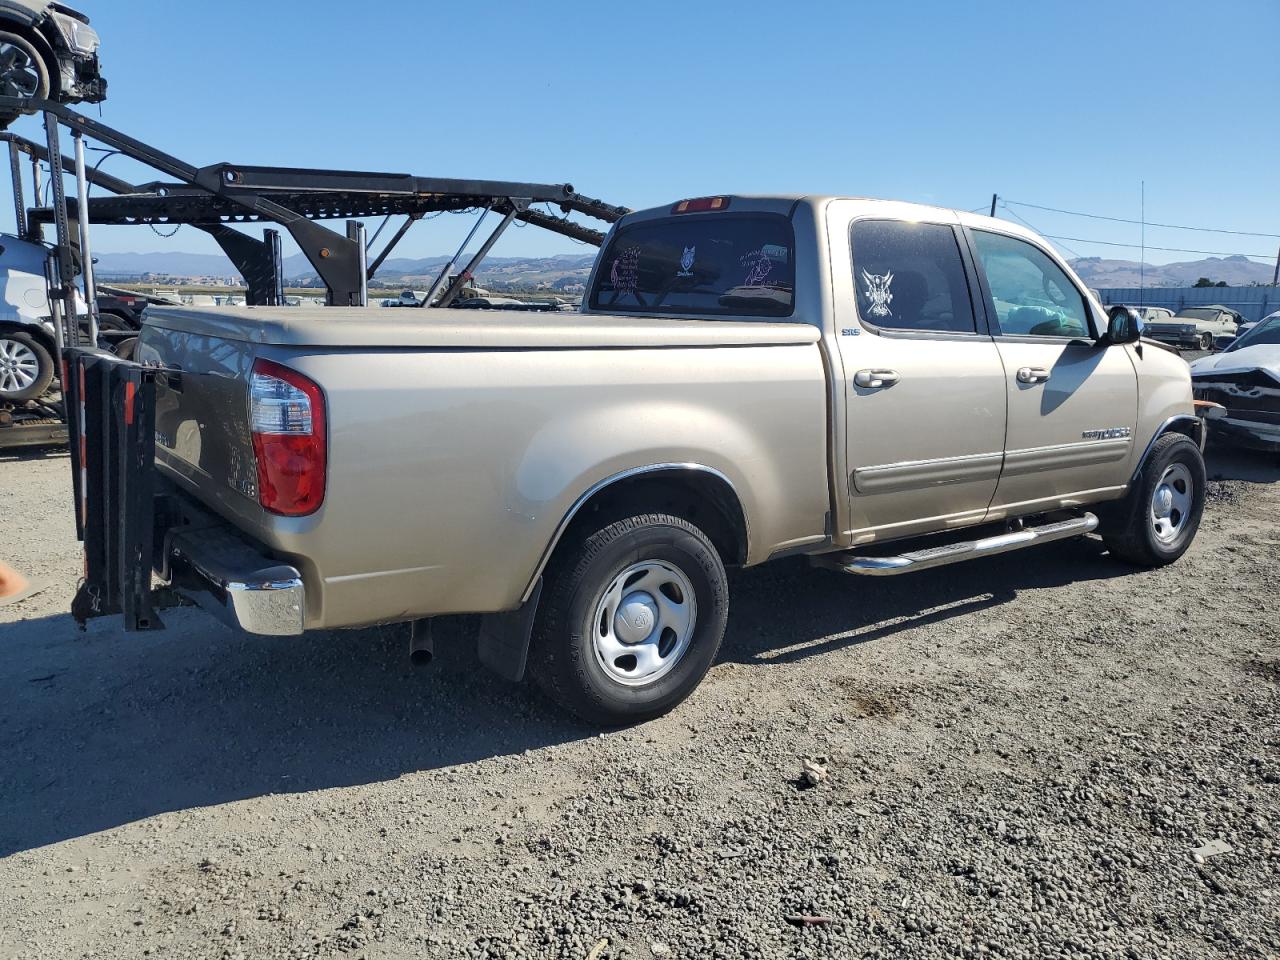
(515, 271)
(495, 271)
(1236, 271)
(174, 264)
(533, 271)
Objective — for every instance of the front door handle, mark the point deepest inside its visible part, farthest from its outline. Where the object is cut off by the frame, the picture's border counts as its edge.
(875, 379)
(1033, 375)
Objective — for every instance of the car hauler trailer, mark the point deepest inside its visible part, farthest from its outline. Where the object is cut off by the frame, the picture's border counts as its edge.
(219, 197)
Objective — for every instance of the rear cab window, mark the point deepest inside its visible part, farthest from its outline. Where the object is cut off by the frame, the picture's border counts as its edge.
(704, 265)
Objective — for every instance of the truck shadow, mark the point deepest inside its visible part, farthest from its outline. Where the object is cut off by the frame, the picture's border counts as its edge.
(786, 612)
(102, 729)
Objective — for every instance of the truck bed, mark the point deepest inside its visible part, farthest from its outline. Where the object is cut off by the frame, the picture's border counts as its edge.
(459, 440)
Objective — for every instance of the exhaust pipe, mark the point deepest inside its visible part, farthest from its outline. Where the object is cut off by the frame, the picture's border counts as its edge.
(422, 646)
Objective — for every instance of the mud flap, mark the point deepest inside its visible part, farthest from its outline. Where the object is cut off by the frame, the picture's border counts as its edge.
(504, 638)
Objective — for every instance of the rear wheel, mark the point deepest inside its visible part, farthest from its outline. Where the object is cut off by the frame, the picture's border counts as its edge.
(631, 619)
(1155, 524)
(26, 367)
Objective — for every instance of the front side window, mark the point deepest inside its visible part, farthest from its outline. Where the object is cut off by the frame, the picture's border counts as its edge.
(716, 264)
(910, 276)
(1032, 294)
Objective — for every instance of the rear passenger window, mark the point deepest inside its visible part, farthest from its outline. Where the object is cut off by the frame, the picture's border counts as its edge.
(1032, 295)
(909, 276)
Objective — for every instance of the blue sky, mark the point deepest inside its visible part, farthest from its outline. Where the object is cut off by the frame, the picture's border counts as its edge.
(1067, 105)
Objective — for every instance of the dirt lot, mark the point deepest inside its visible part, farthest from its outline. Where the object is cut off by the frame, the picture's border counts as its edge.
(1024, 756)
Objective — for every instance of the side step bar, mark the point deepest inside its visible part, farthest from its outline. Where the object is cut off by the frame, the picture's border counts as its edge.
(969, 550)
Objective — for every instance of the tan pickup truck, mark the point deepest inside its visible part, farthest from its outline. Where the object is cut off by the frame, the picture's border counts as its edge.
(880, 386)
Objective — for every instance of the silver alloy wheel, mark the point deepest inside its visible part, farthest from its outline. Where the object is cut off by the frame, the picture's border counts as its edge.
(19, 75)
(19, 366)
(644, 621)
(1171, 502)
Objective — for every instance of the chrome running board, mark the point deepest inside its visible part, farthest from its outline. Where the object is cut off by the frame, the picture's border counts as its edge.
(969, 550)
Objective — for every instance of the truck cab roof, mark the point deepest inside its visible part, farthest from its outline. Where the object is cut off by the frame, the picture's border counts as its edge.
(786, 203)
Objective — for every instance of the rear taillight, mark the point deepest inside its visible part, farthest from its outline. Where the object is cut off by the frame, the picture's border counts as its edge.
(286, 415)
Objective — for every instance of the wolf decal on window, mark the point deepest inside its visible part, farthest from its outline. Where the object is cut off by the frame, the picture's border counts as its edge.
(878, 291)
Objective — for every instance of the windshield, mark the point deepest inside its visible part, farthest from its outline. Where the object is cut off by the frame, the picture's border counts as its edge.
(1268, 332)
(711, 265)
(1191, 313)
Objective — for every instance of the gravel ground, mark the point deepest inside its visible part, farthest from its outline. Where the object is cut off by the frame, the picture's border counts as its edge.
(1015, 758)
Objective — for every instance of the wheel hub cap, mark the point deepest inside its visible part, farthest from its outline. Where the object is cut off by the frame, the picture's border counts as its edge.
(644, 622)
(636, 618)
(1171, 503)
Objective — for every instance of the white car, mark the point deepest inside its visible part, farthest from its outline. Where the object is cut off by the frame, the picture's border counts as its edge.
(27, 345)
(1245, 378)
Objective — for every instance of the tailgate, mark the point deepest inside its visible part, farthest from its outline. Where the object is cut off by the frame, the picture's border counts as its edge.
(202, 431)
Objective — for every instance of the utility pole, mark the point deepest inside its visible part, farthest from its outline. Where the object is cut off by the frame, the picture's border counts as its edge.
(1275, 277)
(1142, 263)
(994, 197)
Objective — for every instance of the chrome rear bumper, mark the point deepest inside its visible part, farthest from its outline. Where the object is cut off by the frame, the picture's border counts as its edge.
(237, 584)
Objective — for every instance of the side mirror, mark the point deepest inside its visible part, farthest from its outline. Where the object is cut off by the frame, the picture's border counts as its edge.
(1221, 343)
(1123, 326)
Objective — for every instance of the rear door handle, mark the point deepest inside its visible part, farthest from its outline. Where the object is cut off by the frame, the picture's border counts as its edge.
(1033, 375)
(875, 379)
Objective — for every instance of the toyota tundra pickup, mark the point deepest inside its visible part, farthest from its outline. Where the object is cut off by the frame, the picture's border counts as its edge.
(880, 386)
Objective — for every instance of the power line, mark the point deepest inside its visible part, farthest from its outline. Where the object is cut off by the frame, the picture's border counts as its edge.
(1028, 223)
(1149, 223)
(1134, 246)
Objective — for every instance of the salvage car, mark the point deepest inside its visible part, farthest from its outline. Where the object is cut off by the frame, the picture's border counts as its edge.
(1152, 315)
(1248, 325)
(1245, 379)
(27, 340)
(1195, 328)
(48, 51)
(881, 387)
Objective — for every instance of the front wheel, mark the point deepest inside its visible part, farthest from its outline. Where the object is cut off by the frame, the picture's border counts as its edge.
(1155, 524)
(1206, 341)
(631, 619)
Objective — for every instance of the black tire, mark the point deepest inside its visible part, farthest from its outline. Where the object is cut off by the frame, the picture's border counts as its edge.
(1206, 341)
(115, 321)
(18, 382)
(563, 656)
(1130, 528)
(23, 72)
